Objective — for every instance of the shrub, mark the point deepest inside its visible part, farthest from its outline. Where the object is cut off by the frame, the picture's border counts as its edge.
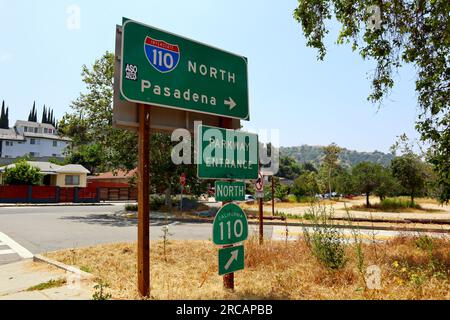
(131, 207)
(325, 241)
(290, 198)
(22, 174)
(396, 204)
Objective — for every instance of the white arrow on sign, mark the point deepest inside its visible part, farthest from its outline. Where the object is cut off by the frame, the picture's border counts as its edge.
(234, 257)
(230, 103)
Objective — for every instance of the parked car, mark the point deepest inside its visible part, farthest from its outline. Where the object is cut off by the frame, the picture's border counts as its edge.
(249, 197)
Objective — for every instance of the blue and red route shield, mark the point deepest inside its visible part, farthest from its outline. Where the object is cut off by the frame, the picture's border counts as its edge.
(163, 56)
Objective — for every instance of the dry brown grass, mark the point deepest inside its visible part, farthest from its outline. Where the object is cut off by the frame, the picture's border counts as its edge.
(277, 270)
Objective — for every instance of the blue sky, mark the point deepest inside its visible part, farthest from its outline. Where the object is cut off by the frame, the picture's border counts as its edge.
(310, 102)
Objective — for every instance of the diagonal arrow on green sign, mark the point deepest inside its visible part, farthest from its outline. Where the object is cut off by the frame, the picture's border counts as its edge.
(231, 260)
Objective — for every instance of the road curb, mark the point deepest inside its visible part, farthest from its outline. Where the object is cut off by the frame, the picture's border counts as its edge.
(60, 265)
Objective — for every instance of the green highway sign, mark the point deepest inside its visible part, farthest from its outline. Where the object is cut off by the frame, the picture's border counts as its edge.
(227, 154)
(230, 191)
(163, 69)
(231, 260)
(230, 225)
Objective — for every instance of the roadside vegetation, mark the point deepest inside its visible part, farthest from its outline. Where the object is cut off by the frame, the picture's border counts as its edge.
(411, 268)
(48, 285)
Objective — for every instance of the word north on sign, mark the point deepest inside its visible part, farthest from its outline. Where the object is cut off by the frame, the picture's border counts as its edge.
(230, 191)
(162, 69)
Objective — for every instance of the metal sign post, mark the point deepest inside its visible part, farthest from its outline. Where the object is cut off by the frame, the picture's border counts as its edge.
(143, 255)
(230, 227)
(260, 195)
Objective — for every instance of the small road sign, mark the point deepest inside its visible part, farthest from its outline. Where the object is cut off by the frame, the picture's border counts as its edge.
(260, 183)
(259, 194)
(230, 225)
(166, 70)
(183, 179)
(231, 260)
(226, 154)
(230, 191)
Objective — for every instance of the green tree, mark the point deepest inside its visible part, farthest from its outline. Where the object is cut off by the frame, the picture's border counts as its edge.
(330, 162)
(305, 185)
(412, 173)
(32, 117)
(4, 117)
(90, 122)
(22, 174)
(367, 178)
(404, 32)
(289, 168)
(344, 183)
(389, 186)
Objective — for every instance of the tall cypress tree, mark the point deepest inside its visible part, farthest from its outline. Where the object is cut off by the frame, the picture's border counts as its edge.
(3, 116)
(33, 113)
(7, 118)
(44, 115)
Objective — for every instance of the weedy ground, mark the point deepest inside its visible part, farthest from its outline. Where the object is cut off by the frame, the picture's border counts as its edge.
(411, 268)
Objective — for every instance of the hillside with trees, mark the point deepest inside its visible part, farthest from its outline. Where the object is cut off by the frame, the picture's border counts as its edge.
(347, 158)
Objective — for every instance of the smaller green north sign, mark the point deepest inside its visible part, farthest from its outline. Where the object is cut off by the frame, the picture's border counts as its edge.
(230, 191)
(231, 260)
(230, 225)
(227, 154)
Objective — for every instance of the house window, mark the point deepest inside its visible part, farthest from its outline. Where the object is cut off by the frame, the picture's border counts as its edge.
(25, 129)
(55, 143)
(36, 130)
(32, 141)
(72, 180)
(45, 130)
(9, 143)
(34, 154)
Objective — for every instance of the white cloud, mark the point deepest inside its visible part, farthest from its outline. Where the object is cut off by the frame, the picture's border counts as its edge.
(5, 56)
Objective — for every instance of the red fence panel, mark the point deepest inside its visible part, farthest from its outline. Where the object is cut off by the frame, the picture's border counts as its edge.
(13, 192)
(87, 193)
(43, 193)
(66, 195)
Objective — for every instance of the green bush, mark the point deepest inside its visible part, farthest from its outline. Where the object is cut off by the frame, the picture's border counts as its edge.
(290, 198)
(395, 204)
(22, 174)
(325, 241)
(131, 207)
(425, 243)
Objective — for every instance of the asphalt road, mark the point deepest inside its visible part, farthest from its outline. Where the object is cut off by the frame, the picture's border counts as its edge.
(46, 229)
(30, 230)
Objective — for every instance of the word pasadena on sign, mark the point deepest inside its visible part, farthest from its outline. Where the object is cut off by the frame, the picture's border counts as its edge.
(162, 69)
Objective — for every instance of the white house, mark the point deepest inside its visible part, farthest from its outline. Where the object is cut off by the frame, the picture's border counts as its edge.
(33, 139)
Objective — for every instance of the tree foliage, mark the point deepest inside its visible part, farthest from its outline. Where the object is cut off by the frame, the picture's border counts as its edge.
(4, 117)
(367, 178)
(412, 173)
(90, 123)
(22, 174)
(415, 32)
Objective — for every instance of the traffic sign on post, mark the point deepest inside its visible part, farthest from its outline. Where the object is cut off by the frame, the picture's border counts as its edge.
(167, 70)
(226, 154)
(231, 260)
(183, 180)
(230, 191)
(230, 225)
